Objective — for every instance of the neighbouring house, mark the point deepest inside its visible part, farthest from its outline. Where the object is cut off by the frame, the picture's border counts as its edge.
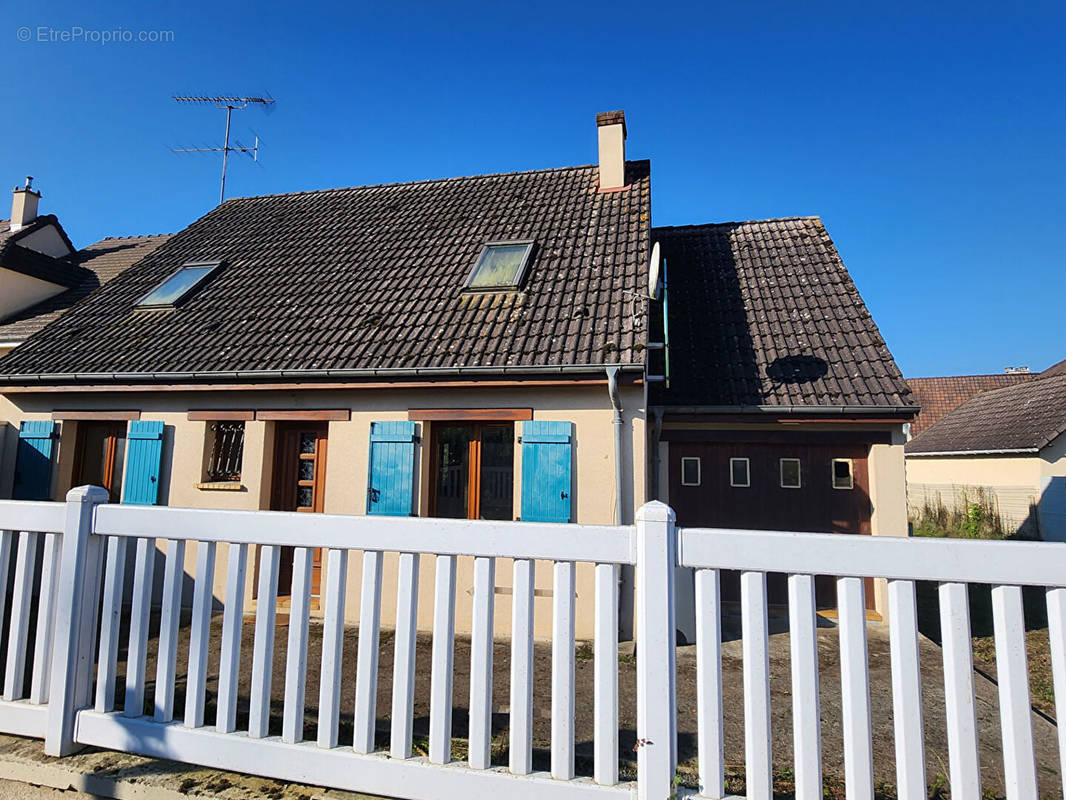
(489, 347)
(1002, 451)
(42, 275)
(781, 407)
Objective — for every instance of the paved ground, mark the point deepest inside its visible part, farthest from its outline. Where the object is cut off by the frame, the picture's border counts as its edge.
(832, 745)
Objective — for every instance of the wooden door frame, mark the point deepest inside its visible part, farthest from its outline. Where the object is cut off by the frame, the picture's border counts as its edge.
(473, 482)
(116, 428)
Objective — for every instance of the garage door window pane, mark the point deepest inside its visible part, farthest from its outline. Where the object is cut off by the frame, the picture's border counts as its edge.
(842, 477)
(690, 472)
(739, 472)
(790, 473)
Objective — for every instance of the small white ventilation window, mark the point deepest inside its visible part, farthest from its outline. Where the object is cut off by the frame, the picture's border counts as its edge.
(739, 472)
(842, 474)
(178, 285)
(501, 266)
(690, 471)
(790, 473)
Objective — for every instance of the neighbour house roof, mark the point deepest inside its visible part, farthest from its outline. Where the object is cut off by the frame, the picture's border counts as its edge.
(371, 279)
(27, 261)
(1054, 370)
(91, 267)
(1020, 418)
(763, 315)
(938, 396)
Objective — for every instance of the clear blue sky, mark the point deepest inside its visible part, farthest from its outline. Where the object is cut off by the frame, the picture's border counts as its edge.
(932, 141)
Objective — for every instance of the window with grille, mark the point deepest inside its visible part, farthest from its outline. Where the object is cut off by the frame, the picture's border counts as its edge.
(227, 451)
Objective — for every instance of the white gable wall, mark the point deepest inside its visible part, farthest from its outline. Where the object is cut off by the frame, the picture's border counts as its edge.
(18, 291)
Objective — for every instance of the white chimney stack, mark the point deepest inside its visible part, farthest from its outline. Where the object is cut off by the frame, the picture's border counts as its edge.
(24, 205)
(611, 126)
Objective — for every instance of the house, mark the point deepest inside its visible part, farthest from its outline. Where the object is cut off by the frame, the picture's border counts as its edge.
(781, 407)
(488, 347)
(1003, 448)
(42, 275)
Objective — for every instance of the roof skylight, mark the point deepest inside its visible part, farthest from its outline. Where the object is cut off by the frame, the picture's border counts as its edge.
(501, 265)
(176, 287)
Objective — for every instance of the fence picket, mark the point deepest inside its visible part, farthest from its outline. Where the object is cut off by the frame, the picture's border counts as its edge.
(169, 622)
(710, 737)
(200, 636)
(605, 686)
(1056, 619)
(110, 623)
(46, 612)
(855, 689)
(266, 607)
(403, 662)
(7, 538)
(562, 736)
(1015, 711)
(18, 632)
(756, 655)
(440, 691)
(906, 690)
(140, 616)
(806, 709)
(329, 694)
(292, 729)
(480, 738)
(963, 757)
(366, 670)
(229, 665)
(520, 761)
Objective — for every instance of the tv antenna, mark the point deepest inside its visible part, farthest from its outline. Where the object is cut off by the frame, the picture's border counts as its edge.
(231, 104)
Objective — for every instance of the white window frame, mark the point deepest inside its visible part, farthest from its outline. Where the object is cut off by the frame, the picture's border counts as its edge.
(833, 474)
(747, 471)
(699, 471)
(781, 473)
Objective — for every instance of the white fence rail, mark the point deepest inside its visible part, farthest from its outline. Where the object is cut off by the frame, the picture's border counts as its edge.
(74, 570)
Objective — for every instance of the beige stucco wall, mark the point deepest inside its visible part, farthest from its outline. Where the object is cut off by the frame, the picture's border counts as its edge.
(45, 240)
(1013, 483)
(593, 494)
(1029, 491)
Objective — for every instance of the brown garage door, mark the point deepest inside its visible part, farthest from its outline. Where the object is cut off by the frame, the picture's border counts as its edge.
(794, 487)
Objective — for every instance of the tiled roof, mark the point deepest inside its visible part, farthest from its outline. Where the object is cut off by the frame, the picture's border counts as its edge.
(371, 278)
(938, 396)
(764, 314)
(1026, 416)
(29, 262)
(94, 266)
(1054, 370)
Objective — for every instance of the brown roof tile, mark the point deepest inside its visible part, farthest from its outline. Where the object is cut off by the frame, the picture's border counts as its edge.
(371, 278)
(764, 314)
(938, 396)
(1025, 416)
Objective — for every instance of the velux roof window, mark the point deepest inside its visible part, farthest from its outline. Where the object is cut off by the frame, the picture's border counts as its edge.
(501, 266)
(179, 285)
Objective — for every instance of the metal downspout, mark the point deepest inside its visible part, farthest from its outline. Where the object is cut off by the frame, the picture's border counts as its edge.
(612, 389)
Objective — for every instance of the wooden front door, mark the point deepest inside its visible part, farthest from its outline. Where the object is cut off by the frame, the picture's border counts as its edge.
(299, 484)
(473, 470)
(99, 456)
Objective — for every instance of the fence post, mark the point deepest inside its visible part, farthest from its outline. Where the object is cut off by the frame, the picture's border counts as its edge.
(656, 659)
(75, 627)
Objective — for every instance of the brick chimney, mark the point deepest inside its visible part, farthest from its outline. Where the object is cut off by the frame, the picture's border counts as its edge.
(24, 205)
(611, 126)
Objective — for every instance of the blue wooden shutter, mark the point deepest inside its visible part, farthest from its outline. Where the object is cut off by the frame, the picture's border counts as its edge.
(546, 471)
(390, 489)
(144, 454)
(33, 461)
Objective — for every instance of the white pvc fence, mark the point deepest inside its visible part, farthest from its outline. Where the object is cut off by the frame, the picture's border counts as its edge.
(83, 574)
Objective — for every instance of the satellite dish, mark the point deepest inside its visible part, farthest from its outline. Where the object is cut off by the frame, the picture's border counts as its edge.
(654, 271)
